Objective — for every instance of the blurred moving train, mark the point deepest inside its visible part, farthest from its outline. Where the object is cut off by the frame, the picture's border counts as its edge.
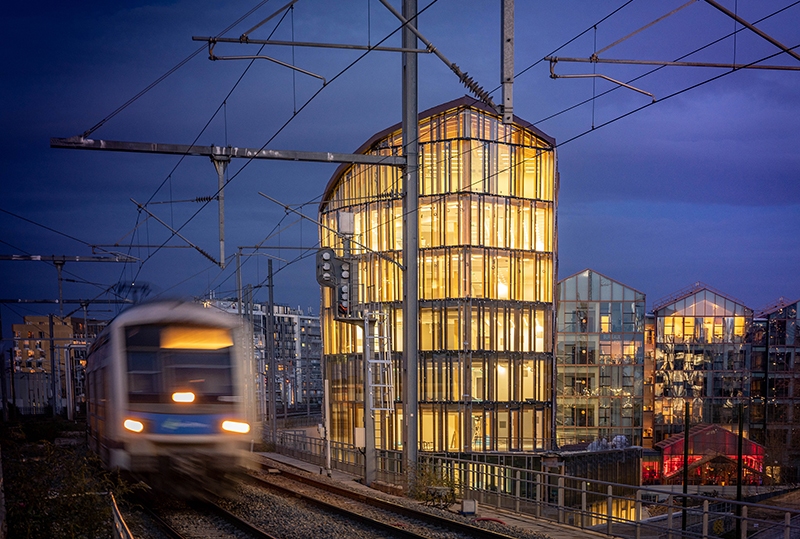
(171, 393)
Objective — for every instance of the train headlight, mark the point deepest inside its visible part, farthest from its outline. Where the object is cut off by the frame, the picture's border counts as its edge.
(183, 396)
(133, 425)
(239, 427)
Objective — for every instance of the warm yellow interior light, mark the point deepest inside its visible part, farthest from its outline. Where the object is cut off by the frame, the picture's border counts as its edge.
(133, 425)
(195, 338)
(183, 396)
(239, 427)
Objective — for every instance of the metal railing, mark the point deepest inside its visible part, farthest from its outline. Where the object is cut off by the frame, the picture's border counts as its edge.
(615, 509)
(121, 530)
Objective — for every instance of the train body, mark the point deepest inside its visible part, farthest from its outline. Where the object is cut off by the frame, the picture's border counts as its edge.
(171, 393)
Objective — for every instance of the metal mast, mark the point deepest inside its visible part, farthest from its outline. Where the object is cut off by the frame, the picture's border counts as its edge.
(410, 128)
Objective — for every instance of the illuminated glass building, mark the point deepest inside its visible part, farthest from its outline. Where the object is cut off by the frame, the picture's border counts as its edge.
(775, 384)
(487, 264)
(701, 358)
(600, 362)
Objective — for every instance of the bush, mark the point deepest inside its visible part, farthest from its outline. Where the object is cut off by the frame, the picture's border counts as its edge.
(428, 475)
(54, 491)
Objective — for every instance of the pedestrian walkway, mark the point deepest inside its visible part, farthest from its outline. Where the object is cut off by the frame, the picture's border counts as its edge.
(546, 527)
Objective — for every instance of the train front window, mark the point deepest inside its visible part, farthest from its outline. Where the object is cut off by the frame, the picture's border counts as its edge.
(204, 373)
(164, 359)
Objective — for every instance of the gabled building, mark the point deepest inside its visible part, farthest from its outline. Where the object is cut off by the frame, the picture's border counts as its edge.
(599, 361)
(701, 360)
(713, 457)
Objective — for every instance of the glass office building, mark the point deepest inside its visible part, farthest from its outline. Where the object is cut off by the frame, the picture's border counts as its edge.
(486, 266)
(775, 383)
(600, 362)
(701, 359)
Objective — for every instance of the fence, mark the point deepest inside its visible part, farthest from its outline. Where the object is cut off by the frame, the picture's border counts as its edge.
(617, 509)
(121, 530)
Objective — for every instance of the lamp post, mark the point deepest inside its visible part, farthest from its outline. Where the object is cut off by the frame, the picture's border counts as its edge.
(686, 418)
(739, 470)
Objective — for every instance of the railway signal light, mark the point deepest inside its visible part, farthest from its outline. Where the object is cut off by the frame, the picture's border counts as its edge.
(326, 260)
(343, 288)
(334, 272)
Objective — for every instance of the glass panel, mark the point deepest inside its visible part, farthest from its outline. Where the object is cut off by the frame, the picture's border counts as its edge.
(477, 274)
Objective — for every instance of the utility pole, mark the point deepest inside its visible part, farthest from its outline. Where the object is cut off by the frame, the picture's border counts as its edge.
(3, 371)
(507, 59)
(273, 415)
(370, 460)
(221, 165)
(739, 470)
(59, 267)
(410, 127)
(686, 418)
(53, 365)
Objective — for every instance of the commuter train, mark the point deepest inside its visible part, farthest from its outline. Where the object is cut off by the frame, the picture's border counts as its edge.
(171, 394)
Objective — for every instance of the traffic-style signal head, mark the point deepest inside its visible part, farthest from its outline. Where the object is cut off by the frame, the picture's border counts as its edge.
(326, 267)
(343, 288)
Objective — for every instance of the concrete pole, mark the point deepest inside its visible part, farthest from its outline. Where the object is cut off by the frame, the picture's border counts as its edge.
(221, 164)
(410, 127)
(70, 386)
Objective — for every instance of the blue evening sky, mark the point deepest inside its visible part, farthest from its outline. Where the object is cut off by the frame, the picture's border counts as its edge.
(702, 185)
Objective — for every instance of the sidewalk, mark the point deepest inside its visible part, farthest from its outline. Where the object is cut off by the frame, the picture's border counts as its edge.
(546, 527)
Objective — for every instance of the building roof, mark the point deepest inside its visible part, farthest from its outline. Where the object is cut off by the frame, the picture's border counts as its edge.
(707, 439)
(690, 291)
(465, 102)
(604, 276)
(774, 307)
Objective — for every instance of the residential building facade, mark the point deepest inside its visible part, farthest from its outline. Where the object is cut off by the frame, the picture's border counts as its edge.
(775, 381)
(599, 361)
(701, 360)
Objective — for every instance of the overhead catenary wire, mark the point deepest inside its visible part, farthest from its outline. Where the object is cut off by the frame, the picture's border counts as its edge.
(180, 161)
(573, 138)
(638, 77)
(595, 127)
(165, 75)
(606, 123)
(286, 123)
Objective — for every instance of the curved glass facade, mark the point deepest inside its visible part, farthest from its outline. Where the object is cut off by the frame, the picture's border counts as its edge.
(487, 264)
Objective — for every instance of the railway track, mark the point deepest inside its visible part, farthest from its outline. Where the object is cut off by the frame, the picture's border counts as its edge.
(401, 519)
(198, 519)
(294, 504)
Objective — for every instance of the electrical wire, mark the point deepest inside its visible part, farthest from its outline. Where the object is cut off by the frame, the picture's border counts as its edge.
(283, 126)
(181, 159)
(165, 75)
(595, 127)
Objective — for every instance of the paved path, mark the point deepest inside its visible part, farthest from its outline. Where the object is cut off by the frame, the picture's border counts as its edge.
(546, 527)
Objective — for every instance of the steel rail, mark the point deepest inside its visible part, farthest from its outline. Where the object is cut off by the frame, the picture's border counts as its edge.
(235, 520)
(454, 525)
